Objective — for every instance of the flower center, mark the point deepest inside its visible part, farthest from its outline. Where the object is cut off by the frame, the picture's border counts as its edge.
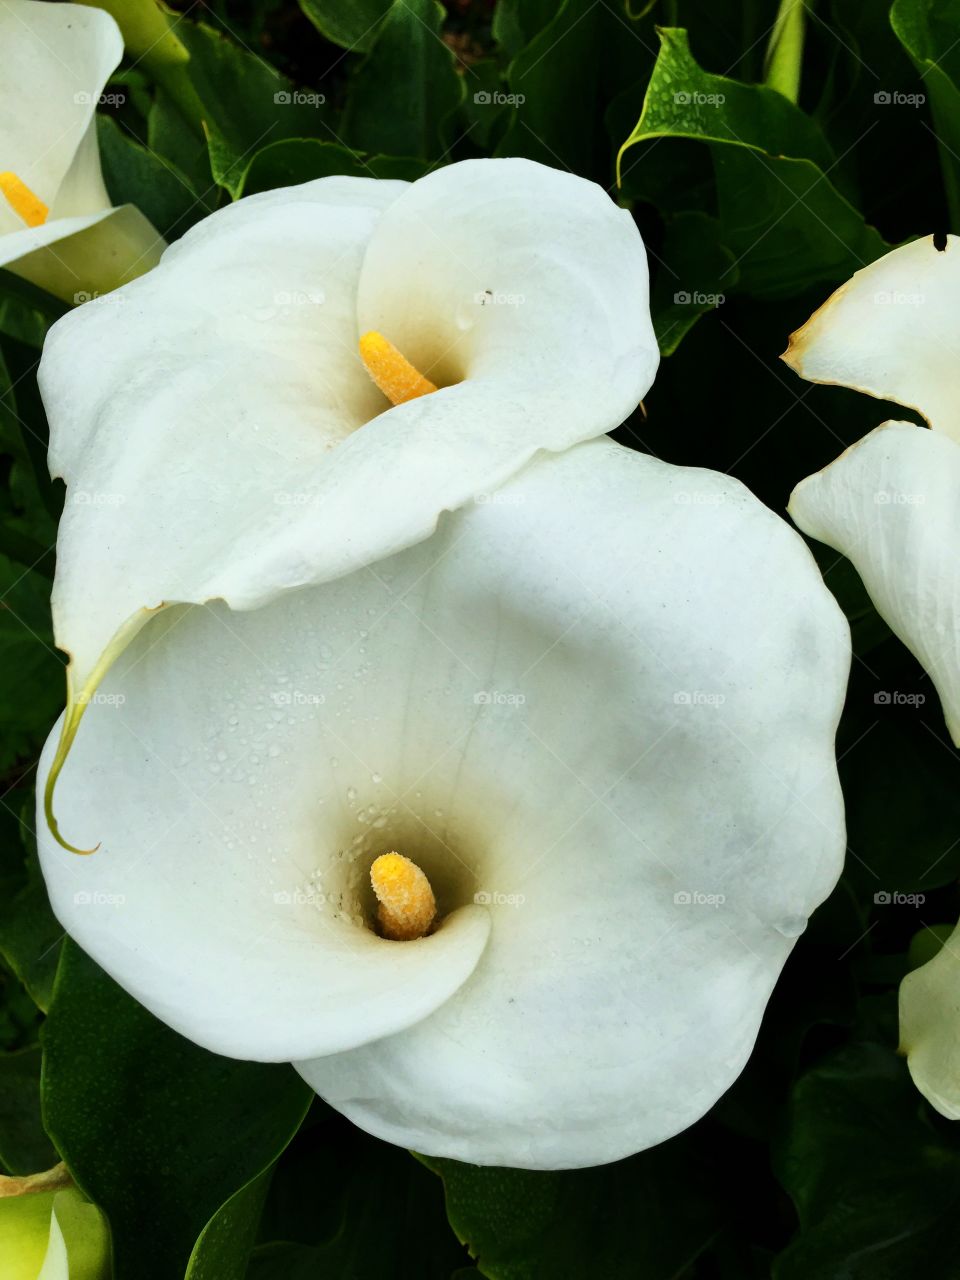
(406, 902)
(22, 200)
(393, 373)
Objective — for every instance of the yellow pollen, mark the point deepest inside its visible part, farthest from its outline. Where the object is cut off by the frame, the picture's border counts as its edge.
(22, 200)
(407, 905)
(393, 373)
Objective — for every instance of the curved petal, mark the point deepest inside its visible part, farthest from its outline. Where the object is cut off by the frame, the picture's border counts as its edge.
(80, 258)
(891, 505)
(930, 1027)
(56, 60)
(892, 332)
(622, 749)
(232, 445)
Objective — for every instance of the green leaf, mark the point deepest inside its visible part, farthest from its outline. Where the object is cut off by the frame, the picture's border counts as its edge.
(136, 175)
(648, 1216)
(245, 102)
(518, 22)
(563, 74)
(349, 23)
(196, 1127)
(694, 270)
(24, 1147)
(182, 149)
(405, 90)
(343, 1204)
(781, 216)
(298, 160)
(902, 799)
(876, 1185)
(30, 934)
(31, 669)
(929, 31)
(223, 1250)
(26, 312)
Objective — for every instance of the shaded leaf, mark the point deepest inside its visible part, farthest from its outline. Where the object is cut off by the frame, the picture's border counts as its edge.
(136, 175)
(782, 218)
(876, 1185)
(349, 23)
(196, 1127)
(24, 1147)
(405, 90)
(298, 160)
(649, 1216)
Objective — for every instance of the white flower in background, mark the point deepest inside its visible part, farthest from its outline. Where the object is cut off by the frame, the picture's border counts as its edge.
(49, 1231)
(58, 228)
(219, 432)
(891, 504)
(581, 743)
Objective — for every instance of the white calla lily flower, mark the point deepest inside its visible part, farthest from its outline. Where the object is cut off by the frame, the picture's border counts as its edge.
(58, 228)
(222, 438)
(50, 1231)
(891, 504)
(579, 744)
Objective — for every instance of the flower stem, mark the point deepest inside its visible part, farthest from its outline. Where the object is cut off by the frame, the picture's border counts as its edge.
(781, 68)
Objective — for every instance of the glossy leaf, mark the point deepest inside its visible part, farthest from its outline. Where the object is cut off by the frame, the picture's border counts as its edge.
(404, 92)
(782, 218)
(651, 1215)
(875, 1183)
(196, 1127)
(350, 23)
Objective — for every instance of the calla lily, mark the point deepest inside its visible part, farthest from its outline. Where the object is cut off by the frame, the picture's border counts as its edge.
(220, 434)
(58, 228)
(501, 840)
(49, 1231)
(891, 504)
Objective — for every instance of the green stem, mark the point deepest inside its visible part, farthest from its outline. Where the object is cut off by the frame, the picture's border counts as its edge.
(785, 51)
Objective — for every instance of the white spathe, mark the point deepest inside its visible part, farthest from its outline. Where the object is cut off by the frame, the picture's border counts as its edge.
(598, 709)
(57, 59)
(52, 1235)
(221, 439)
(891, 504)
